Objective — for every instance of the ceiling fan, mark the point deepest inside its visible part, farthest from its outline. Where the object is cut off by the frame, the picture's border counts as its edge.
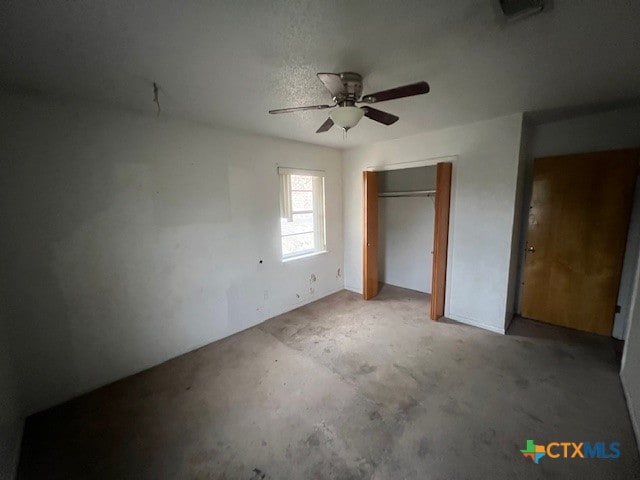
(346, 91)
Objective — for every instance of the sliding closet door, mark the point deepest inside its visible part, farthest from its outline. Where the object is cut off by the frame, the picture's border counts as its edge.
(440, 239)
(370, 236)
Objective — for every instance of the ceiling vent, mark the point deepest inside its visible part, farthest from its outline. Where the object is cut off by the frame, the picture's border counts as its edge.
(516, 9)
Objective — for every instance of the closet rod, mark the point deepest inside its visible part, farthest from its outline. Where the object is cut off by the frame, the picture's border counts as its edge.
(415, 193)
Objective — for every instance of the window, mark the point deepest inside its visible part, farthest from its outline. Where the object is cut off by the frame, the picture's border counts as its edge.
(302, 225)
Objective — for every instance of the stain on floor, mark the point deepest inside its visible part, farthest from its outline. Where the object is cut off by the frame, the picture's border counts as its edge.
(348, 389)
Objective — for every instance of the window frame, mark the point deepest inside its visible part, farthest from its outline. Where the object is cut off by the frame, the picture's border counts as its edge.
(318, 210)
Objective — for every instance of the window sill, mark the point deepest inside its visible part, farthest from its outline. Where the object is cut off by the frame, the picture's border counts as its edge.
(306, 255)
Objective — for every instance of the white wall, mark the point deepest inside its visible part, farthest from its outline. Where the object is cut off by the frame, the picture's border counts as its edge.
(10, 408)
(130, 239)
(405, 241)
(407, 179)
(630, 371)
(521, 215)
(485, 176)
(617, 129)
(625, 293)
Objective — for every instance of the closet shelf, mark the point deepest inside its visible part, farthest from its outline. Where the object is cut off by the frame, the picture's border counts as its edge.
(415, 193)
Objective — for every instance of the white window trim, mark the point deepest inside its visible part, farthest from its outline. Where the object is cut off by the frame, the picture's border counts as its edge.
(319, 217)
(300, 171)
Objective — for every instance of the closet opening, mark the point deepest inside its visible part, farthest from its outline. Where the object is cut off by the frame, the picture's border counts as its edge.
(406, 223)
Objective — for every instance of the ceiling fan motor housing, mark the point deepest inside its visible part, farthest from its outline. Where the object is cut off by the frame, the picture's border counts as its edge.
(352, 89)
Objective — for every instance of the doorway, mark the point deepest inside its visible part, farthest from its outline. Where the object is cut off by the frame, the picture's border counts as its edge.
(576, 236)
(406, 224)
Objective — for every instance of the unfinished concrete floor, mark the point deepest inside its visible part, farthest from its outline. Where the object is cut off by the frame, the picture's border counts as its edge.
(347, 389)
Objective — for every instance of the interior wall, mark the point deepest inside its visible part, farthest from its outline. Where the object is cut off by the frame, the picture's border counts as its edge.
(630, 371)
(10, 407)
(613, 130)
(520, 216)
(130, 239)
(407, 179)
(629, 266)
(405, 242)
(485, 175)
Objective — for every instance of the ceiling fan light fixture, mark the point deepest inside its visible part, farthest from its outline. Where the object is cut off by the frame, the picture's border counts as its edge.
(346, 117)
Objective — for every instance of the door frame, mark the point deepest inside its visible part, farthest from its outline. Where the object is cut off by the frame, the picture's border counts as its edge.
(524, 242)
(442, 229)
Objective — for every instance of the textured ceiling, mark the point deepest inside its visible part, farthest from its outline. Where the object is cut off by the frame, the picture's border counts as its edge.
(228, 62)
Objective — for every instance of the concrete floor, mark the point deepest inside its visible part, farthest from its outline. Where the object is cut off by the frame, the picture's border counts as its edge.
(347, 389)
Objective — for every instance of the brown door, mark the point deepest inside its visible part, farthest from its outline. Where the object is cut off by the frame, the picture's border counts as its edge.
(578, 222)
(440, 239)
(370, 231)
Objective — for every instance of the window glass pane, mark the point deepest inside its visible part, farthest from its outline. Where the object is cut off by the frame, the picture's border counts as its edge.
(302, 201)
(302, 223)
(305, 232)
(297, 243)
(300, 182)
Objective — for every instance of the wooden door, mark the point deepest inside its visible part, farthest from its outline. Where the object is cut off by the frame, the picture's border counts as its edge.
(370, 234)
(577, 231)
(440, 239)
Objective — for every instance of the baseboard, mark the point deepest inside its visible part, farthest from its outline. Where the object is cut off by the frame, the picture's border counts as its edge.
(190, 348)
(280, 311)
(635, 421)
(302, 303)
(474, 323)
(509, 322)
(353, 289)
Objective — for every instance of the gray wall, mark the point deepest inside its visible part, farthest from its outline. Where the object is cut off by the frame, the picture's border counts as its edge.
(406, 241)
(520, 217)
(406, 228)
(407, 179)
(10, 407)
(630, 372)
(131, 239)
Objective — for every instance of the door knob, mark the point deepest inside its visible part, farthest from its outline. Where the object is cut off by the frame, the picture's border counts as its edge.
(531, 249)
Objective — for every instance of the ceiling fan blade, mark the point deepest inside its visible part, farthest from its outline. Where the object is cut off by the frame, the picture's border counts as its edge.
(325, 126)
(380, 116)
(398, 92)
(333, 83)
(301, 109)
